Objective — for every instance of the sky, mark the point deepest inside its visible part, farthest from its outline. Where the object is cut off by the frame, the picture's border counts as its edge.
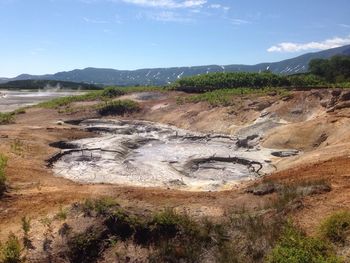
(48, 36)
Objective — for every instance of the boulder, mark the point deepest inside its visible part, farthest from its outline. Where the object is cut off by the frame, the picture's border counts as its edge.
(262, 189)
(342, 105)
(345, 96)
(336, 92)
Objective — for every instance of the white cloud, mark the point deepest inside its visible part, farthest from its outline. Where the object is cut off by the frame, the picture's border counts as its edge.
(94, 21)
(238, 22)
(169, 16)
(218, 6)
(322, 45)
(167, 3)
(344, 25)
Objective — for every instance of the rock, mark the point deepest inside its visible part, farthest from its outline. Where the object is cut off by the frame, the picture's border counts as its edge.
(59, 122)
(272, 93)
(336, 92)
(286, 153)
(176, 182)
(342, 105)
(332, 102)
(262, 105)
(324, 103)
(287, 97)
(317, 94)
(249, 142)
(297, 111)
(314, 189)
(262, 189)
(320, 140)
(345, 96)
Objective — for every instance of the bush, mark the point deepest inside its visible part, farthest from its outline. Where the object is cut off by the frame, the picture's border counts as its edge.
(336, 227)
(296, 247)
(119, 107)
(3, 164)
(11, 251)
(112, 92)
(86, 247)
(6, 118)
(233, 80)
(100, 206)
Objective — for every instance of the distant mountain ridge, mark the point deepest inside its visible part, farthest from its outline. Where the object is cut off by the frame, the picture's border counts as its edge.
(163, 76)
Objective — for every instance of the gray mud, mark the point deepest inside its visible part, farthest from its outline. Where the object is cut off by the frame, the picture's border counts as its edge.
(146, 154)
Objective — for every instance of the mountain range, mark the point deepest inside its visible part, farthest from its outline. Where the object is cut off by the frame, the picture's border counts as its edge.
(163, 76)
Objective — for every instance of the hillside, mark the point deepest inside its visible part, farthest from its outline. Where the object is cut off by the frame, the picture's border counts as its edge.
(162, 76)
(43, 84)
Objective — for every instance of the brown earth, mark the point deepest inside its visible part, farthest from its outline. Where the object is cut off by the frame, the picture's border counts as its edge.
(323, 137)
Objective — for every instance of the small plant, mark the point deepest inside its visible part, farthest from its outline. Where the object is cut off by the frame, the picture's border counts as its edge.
(6, 118)
(3, 164)
(62, 214)
(86, 247)
(17, 147)
(26, 229)
(295, 246)
(48, 238)
(119, 107)
(112, 92)
(100, 206)
(11, 251)
(336, 228)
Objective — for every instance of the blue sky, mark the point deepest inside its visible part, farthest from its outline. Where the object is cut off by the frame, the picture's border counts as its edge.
(46, 36)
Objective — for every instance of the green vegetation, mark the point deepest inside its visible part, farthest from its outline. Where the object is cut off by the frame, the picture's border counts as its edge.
(11, 250)
(333, 70)
(42, 84)
(3, 164)
(100, 206)
(62, 214)
(336, 228)
(85, 247)
(225, 97)
(213, 81)
(64, 101)
(118, 107)
(6, 118)
(289, 193)
(17, 147)
(295, 247)
(26, 226)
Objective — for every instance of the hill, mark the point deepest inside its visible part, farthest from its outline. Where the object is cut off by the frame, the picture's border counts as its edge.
(44, 84)
(162, 76)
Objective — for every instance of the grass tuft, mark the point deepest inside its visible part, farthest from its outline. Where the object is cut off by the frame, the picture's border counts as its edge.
(336, 228)
(118, 107)
(3, 164)
(295, 246)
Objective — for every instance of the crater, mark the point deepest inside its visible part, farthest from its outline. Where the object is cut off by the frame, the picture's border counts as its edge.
(146, 154)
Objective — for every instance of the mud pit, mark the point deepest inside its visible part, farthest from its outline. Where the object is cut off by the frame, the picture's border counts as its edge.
(147, 154)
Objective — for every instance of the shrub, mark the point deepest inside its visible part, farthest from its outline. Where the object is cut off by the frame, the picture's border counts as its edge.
(6, 118)
(119, 107)
(112, 92)
(11, 251)
(336, 227)
(86, 247)
(100, 206)
(3, 164)
(232, 80)
(295, 247)
(62, 213)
